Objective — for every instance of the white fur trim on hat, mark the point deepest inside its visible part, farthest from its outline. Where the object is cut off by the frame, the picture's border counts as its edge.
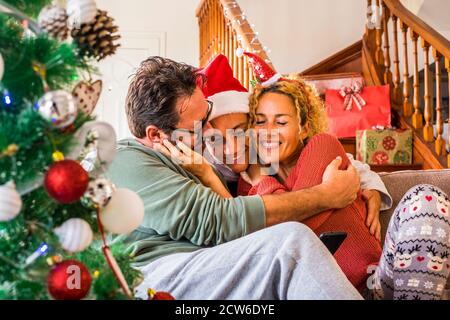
(272, 80)
(227, 102)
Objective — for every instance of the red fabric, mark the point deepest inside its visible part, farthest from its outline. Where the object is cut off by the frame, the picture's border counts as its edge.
(220, 77)
(360, 249)
(262, 70)
(344, 123)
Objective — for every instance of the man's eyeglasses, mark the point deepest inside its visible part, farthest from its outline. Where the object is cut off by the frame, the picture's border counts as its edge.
(204, 120)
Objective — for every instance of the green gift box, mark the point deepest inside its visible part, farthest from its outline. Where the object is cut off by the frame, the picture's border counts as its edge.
(387, 146)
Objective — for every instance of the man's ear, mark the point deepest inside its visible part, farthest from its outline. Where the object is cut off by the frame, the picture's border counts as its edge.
(154, 134)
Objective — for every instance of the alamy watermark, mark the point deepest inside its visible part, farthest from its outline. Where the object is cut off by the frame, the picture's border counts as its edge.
(238, 146)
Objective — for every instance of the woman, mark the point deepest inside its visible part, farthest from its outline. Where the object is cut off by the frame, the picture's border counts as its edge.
(302, 152)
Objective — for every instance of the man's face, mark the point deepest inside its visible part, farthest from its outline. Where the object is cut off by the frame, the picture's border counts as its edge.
(193, 111)
(235, 146)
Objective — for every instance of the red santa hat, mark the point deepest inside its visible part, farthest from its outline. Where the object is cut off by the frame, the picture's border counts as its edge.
(225, 91)
(265, 75)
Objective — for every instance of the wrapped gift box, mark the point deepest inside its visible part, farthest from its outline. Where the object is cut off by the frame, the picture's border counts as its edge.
(388, 146)
(344, 120)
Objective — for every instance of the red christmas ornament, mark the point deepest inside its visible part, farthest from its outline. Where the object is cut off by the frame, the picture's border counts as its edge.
(66, 181)
(69, 280)
(160, 295)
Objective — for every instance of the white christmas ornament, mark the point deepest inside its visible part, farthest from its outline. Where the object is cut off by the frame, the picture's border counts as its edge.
(2, 66)
(75, 235)
(81, 11)
(124, 212)
(10, 202)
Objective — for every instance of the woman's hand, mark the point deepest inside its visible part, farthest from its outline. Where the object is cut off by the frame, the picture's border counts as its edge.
(186, 158)
(373, 203)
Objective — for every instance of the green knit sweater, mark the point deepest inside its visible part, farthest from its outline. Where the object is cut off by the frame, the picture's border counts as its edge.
(181, 215)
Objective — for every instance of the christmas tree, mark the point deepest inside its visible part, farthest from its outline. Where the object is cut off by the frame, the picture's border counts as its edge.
(55, 203)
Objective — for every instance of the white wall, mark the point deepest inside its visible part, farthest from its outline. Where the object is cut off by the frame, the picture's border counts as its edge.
(301, 33)
(148, 27)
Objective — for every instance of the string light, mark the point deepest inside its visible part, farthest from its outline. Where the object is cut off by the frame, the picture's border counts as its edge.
(7, 100)
(42, 250)
(242, 20)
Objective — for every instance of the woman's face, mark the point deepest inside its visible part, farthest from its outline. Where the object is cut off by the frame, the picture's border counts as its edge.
(234, 148)
(278, 130)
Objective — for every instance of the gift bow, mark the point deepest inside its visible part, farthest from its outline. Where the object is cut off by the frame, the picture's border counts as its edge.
(352, 93)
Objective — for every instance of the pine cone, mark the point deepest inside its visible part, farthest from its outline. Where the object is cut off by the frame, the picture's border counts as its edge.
(53, 19)
(97, 39)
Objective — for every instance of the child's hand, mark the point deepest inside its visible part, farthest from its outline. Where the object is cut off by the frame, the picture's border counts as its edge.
(373, 203)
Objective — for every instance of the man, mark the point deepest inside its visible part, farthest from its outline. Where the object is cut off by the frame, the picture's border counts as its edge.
(198, 245)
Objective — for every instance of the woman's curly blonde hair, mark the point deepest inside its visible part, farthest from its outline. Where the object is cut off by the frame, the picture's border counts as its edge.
(310, 107)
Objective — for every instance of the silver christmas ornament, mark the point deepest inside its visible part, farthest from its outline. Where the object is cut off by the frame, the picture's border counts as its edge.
(96, 147)
(99, 191)
(75, 235)
(59, 107)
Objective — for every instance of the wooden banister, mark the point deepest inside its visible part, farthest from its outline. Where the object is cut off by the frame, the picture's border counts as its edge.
(418, 111)
(224, 28)
(430, 35)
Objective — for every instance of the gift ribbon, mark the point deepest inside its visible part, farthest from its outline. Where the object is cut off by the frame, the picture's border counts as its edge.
(352, 93)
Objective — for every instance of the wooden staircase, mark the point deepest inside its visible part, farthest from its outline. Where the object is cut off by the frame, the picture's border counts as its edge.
(223, 28)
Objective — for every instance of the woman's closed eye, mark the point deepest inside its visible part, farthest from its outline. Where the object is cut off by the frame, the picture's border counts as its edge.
(278, 122)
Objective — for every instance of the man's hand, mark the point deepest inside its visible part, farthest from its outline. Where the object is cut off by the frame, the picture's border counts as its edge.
(373, 202)
(340, 187)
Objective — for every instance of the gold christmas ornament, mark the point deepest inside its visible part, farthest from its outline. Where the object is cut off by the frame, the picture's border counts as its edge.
(10, 150)
(97, 38)
(58, 156)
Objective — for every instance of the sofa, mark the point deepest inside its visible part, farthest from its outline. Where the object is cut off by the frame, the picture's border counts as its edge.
(399, 182)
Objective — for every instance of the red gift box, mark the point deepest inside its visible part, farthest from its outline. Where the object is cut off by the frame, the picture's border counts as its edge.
(349, 110)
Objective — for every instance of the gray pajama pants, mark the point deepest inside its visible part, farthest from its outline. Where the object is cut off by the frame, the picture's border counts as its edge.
(415, 260)
(286, 261)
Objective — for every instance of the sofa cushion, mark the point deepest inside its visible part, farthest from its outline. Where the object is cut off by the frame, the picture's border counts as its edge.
(397, 183)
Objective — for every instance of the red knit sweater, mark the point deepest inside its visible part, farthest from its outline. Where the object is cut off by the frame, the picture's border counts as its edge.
(360, 249)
